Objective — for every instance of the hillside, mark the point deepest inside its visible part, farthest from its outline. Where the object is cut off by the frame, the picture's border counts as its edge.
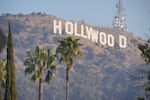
(103, 73)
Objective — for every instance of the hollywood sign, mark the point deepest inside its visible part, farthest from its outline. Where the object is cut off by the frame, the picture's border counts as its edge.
(71, 28)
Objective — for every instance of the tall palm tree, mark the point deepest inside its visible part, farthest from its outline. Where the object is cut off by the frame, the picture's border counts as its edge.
(2, 77)
(65, 52)
(41, 66)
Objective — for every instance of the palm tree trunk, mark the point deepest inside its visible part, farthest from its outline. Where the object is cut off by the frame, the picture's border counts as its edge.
(67, 82)
(41, 84)
(1, 95)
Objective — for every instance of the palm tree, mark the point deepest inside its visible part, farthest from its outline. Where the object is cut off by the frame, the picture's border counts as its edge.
(41, 66)
(65, 52)
(2, 77)
(145, 53)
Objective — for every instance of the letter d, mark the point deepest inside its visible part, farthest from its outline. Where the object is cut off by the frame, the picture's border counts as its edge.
(122, 41)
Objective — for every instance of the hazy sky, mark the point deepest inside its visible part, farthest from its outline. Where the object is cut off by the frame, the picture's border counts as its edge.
(94, 12)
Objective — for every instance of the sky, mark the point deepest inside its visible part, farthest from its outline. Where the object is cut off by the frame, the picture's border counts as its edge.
(94, 12)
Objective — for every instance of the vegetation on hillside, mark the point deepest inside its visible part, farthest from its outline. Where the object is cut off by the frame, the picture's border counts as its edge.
(102, 73)
(145, 53)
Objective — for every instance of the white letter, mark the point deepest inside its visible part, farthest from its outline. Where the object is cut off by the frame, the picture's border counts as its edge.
(122, 41)
(82, 32)
(69, 28)
(111, 41)
(89, 31)
(102, 38)
(92, 34)
(95, 36)
(76, 30)
(57, 27)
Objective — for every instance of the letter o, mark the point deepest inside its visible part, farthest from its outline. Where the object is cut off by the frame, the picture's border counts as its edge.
(111, 41)
(102, 38)
(69, 28)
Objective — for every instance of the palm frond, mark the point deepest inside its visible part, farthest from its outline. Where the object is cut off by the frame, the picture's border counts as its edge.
(49, 76)
(35, 76)
(30, 55)
(145, 51)
(30, 69)
(53, 68)
(68, 48)
(40, 59)
(28, 62)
